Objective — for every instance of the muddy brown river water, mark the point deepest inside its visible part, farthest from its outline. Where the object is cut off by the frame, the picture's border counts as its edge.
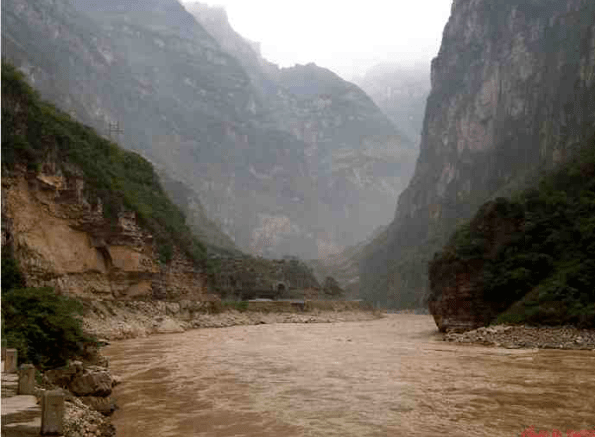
(391, 376)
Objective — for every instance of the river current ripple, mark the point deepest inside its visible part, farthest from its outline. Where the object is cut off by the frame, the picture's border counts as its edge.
(387, 377)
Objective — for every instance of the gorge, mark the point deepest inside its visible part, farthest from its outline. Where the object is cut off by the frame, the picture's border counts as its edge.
(160, 176)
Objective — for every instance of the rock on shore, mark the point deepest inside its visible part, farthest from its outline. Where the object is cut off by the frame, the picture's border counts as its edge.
(514, 337)
(81, 420)
(87, 389)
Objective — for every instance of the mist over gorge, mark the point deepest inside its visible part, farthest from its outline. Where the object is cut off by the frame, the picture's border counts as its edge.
(292, 161)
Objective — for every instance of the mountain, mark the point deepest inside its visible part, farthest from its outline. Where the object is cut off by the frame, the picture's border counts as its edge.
(354, 153)
(401, 93)
(84, 71)
(85, 217)
(284, 161)
(513, 93)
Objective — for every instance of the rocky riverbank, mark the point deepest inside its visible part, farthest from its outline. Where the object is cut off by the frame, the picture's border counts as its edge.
(83, 416)
(81, 420)
(87, 390)
(115, 320)
(516, 337)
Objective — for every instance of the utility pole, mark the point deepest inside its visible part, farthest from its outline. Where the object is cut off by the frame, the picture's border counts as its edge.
(114, 128)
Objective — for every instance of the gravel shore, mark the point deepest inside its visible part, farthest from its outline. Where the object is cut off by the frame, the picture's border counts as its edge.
(140, 319)
(516, 337)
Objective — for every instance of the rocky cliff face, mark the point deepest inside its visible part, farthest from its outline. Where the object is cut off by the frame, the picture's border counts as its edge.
(513, 89)
(61, 241)
(284, 161)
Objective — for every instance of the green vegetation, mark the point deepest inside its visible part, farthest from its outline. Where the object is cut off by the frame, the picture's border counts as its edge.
(46, 329)
(11, 274)
(34, 132)
(547, 269)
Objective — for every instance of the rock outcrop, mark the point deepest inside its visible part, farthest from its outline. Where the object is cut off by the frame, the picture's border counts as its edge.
(60, 240)
(92, 385)
(513, 90)
(457, 300)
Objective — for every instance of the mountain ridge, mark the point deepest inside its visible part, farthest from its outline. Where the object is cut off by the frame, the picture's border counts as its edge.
(278, 173)
(512, 93)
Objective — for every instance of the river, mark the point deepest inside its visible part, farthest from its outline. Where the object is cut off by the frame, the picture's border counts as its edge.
(391, 376)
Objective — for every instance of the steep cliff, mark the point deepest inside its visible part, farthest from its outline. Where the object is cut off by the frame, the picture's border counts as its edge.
(513, 90)
(83, 216)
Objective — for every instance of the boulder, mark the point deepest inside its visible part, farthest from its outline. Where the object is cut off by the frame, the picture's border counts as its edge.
(97, 383)
(63, 376)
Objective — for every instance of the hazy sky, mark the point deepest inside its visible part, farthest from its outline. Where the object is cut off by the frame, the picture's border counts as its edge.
(345, 36)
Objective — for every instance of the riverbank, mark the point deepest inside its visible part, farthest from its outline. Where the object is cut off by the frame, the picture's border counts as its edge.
(117, 320)
(21, 414)
(528, 337)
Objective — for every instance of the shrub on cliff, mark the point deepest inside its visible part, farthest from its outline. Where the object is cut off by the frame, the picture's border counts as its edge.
(45, 328)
